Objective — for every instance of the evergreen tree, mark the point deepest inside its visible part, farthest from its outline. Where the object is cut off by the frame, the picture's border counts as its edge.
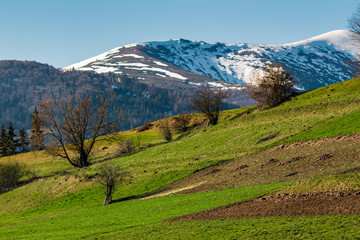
(11, 141)
(37, 136)
(3, 139)
(23, 141)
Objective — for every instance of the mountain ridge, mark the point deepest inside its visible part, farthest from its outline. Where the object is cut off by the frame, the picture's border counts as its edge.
(315, 62)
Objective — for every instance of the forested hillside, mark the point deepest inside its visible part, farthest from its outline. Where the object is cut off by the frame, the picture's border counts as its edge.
(23, 84)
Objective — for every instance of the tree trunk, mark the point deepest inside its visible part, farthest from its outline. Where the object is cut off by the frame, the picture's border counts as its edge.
(108, 195)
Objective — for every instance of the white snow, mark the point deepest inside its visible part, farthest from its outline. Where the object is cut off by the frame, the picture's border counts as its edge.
(339, 38)
(161, 75)
(160, 63)
(128, 55)
(93, 59)
(100, 69)
(197, 84)
(170, 74)
(319, 59)
(134, 64)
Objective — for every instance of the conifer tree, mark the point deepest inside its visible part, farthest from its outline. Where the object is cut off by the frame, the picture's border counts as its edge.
(11, 141)
(37, 136)
(3, 136)
(23, 141)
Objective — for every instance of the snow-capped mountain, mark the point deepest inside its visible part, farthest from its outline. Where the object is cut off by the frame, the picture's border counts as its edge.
(315, 62)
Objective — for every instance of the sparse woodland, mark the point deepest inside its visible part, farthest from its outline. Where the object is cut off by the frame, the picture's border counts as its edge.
(23, 84)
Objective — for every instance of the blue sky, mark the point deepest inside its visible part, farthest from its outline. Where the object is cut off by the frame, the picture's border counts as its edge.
(63, 32)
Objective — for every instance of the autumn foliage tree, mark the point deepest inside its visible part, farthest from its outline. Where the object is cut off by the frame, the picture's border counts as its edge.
(272, 86)
(75, 125)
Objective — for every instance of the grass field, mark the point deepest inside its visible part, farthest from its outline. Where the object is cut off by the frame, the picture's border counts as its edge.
(66, 203)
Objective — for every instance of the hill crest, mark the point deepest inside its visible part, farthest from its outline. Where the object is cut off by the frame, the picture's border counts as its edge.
(315, 62)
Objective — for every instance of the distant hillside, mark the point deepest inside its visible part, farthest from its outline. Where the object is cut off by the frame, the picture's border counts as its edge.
(23, 84)
(298, 159)
(315, 62)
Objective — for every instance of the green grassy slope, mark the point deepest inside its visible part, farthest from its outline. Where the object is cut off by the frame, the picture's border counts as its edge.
(63, 194)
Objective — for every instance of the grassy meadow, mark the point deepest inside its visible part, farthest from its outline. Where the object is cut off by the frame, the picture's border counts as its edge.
(66, 203)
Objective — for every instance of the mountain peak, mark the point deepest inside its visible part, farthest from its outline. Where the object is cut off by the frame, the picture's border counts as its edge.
(315, 62)
(339, 38)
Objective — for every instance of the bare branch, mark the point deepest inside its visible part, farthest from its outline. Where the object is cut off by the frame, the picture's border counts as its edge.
(209, 102)
(75, 125)
(272, 86)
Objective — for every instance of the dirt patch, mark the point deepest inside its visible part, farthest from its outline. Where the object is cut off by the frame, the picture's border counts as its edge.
(241, 167)
(323, 157)
(320, 141)
(213, 171)
(280, 163)
(291, 160)
(198, 158)
(267, 138)
(291, 174)
(271, 161)
(311, 204)
(172, 191)
(353, 170)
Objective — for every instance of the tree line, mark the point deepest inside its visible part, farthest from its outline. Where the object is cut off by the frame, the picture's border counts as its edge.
(12, 143)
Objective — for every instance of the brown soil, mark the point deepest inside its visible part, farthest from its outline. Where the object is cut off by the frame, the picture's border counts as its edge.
(311, 204)
(327, 156)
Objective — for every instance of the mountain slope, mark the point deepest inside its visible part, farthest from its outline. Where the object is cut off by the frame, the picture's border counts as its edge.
(67, 194)
(315, 62)
(23, 84)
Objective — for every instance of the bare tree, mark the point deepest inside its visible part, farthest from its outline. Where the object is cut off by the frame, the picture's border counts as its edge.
(209, 102)
(165, 129)
(181, 122)
(108, 175)
(272, 86)
(354, 28)
(76, 124)
(354, 22)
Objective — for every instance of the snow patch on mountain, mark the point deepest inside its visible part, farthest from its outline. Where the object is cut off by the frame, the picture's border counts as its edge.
(160, 64)
(314, 62)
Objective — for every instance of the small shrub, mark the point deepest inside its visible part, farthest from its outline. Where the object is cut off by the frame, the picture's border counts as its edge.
(109, 175)
(125, 147)
(10, 174)
(144, 127)
(181, 122)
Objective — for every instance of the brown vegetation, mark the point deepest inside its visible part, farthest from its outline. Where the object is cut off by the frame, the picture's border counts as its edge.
(272, 86)
(333, 155)
(312, 204)
(144, 127)
(165, 129)
(10, 174)
(76, 125)
(125, 147)
(181, 122)
(108, 175)
(209, 102)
